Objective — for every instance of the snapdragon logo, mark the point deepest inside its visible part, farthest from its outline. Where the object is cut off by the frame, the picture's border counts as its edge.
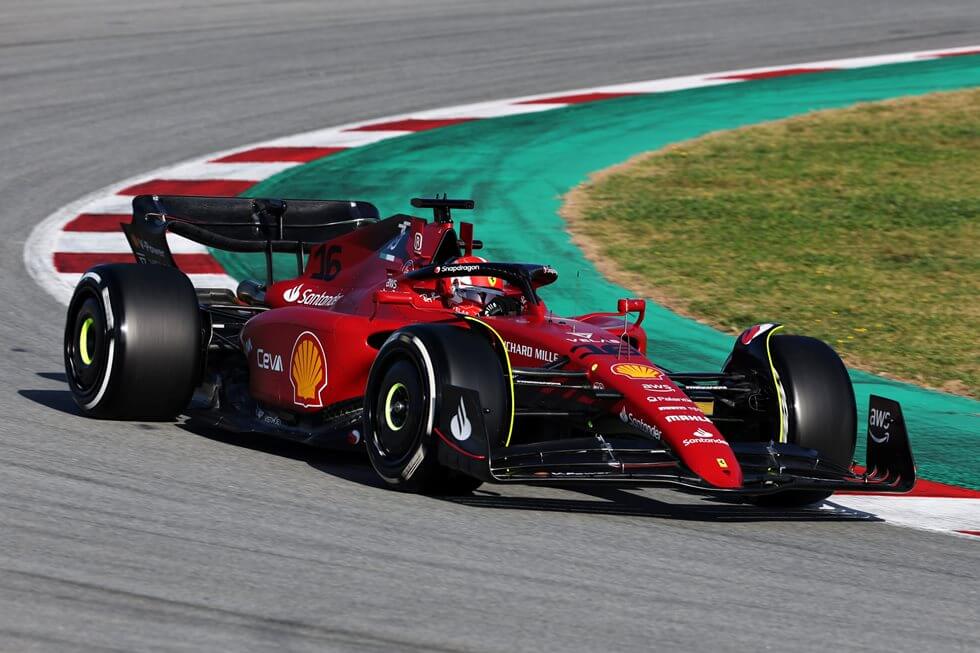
(456, 268)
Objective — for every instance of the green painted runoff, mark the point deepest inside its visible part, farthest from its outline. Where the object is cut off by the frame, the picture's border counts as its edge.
(518, 167)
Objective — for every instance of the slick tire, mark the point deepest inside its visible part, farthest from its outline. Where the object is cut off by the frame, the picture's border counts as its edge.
(403, 399)
(821, 409)
(133, 342)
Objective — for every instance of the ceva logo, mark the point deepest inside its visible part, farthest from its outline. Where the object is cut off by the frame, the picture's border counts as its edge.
(268, 361)
(292, 294)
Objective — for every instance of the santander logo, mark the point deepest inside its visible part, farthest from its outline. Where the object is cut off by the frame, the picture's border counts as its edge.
(292, 294)
(702, 436)
(460, 425)
(310, 297)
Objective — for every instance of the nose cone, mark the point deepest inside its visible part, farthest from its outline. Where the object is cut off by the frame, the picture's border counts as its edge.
(707, 454)
(655, 405)
(718, 467)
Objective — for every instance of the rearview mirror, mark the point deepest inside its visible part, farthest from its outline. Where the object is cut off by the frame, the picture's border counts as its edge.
(632, 305)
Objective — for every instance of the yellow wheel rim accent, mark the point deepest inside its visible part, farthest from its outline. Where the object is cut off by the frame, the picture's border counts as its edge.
(83, 341)
(391, 395)
(780, 393)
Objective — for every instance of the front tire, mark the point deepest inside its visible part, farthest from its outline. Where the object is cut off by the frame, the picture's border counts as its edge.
(403, 399)
(133, 342)
(821, 410)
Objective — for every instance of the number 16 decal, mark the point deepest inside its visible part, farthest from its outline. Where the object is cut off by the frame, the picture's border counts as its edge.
(329, 265)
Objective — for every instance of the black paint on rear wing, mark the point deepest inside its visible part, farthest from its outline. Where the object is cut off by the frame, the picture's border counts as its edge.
(238, 224)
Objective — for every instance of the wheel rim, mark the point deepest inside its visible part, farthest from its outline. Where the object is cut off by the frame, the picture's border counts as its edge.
(85, 341)
(399, 411)
(397, 407)
(85, 346)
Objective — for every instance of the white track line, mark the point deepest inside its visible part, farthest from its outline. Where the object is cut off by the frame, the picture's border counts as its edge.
(114, 242)
(928, 513)
(45, 238)
(237, 171)
(486, 110)
(332, 137)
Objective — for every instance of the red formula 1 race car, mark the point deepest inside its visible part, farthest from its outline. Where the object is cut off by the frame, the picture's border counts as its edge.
(449, 369)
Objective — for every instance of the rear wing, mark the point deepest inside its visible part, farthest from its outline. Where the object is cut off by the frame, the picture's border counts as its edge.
(238, 224)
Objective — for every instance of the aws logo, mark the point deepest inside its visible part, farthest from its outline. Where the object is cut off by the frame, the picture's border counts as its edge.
(879, 421)
(308, 371)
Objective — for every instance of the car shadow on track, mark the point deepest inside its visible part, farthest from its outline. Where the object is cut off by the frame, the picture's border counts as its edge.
(347, 465)
(353, 466)
(59, 400)
(626, 503)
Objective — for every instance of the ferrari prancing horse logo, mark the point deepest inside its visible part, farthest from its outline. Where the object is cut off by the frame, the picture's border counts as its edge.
(308, 371)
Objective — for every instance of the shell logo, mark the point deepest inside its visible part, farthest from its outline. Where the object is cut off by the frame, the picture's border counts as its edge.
(636, 371)
(308, 371)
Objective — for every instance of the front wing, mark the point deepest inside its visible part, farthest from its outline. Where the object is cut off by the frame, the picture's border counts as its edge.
(766, 467)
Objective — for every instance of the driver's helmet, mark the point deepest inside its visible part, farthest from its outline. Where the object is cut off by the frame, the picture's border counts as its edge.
(473, 289)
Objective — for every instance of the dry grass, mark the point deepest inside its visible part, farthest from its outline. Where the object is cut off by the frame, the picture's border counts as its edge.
(859, 226)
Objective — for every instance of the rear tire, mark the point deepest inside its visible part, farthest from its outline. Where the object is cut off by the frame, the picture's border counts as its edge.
(822, 412)
(133, 342)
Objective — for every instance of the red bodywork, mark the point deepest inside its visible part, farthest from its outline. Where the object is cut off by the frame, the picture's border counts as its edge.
(315, 348)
